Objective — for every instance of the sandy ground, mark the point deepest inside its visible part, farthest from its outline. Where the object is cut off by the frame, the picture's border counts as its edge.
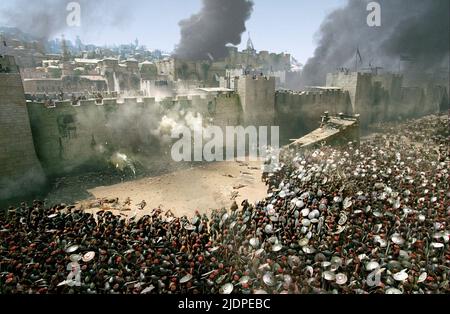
(202, 188)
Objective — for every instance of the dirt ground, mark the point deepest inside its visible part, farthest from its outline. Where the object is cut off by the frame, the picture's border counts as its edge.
(202, 188)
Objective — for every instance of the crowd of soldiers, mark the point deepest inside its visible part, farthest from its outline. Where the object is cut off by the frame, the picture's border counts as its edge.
(361, 219)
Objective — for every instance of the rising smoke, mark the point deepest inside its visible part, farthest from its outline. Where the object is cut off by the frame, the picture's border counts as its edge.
(416, 30)
(206, 34)
(47, 18)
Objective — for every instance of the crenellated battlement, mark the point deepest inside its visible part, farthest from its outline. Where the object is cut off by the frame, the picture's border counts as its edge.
(258, 77)
(294, 98)
(128, 101)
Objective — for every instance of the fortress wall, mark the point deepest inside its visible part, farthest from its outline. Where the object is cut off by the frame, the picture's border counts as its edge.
(347, 81)
(66, 137)
(300, 113)
(437, 99)
(392, 83)
(227, 111)
(70, 138)
(382, 98)
(200, 104)
(20, 170)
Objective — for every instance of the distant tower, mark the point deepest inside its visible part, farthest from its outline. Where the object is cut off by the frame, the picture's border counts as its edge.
(65, 50)
(136, 43)
(79, 44)
(250, 51)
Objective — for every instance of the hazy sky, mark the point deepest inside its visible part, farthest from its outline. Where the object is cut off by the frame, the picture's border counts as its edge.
(275, 25)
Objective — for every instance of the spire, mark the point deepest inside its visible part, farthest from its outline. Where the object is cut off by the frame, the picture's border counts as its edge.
(250, 46)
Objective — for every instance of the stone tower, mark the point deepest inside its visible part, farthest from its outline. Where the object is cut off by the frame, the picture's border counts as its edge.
(20, 171)
(257, 95)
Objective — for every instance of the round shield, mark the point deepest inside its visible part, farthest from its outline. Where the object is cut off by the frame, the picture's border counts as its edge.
(72, 249)
(341, 279)
(225, 217)
(437, 245)
(336, 260)
(244, 280)
(89, 256)
(63, 283)
(277, 247)
(340, 229)
(305, 212)
(227, 288)
(148, 290)
(342, 220)
(329, 276)
(303, 242)
(397, 239)
(186, 278)
(393, 291)
(372, 266)
(309, 249)
(189, 227)
(347, 202)
(422, 277)
(214, 249)
(268, 229)
(268, 279)
(254, 242)
(401, 276)
(75, 257)
(306, 222)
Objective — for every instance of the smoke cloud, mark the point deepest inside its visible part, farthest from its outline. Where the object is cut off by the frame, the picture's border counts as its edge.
(47, 18)
(415, 29)
(206, 34)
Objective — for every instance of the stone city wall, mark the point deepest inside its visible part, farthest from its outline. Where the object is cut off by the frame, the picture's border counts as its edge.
(298, 113)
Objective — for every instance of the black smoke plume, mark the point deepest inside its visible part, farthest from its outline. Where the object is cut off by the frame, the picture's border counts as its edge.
(413, 38)
(206, 34)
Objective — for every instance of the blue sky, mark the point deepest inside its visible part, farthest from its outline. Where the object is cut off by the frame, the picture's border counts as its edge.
(275, 25)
